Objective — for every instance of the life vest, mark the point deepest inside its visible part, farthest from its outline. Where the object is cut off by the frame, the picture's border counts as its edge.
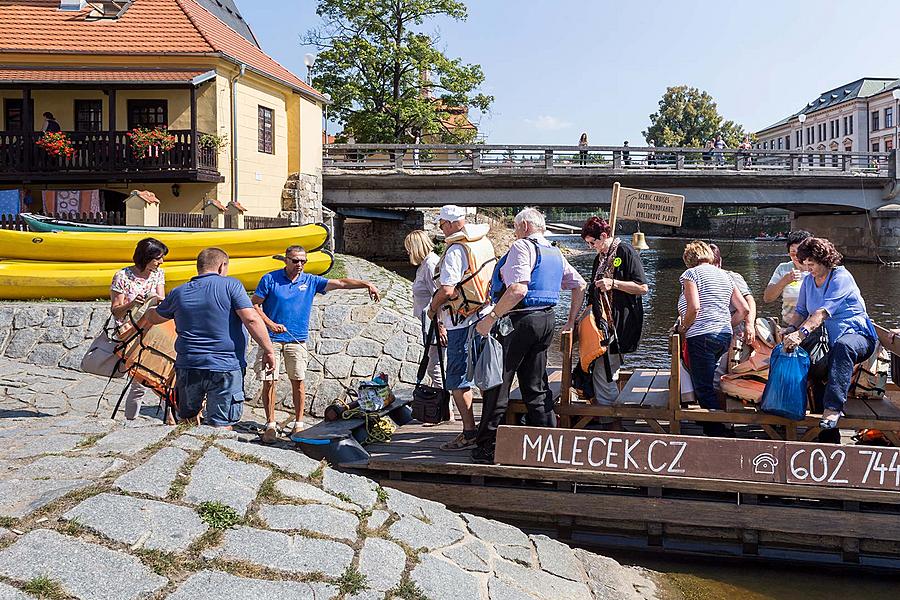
(546, 276)
(473, 291)
(149, 354)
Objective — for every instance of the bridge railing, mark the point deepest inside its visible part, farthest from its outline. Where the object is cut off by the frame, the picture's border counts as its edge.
(574, 159)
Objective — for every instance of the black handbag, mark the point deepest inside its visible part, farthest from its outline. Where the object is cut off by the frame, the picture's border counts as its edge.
(430, 404)
(816, 345)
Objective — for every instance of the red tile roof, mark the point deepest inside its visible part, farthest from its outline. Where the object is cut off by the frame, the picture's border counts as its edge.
(19, 75)
(149, 27)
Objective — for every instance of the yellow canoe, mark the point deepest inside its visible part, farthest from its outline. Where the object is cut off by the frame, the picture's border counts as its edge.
(89, 246)
(32, 280)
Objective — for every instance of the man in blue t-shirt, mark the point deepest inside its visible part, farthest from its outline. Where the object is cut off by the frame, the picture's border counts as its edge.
(284, 300)
(210, 311)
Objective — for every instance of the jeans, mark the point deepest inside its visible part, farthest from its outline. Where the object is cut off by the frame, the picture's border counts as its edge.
(223, 390)
(524, 356)
(847, 351)
(704, 352)
(457, 353)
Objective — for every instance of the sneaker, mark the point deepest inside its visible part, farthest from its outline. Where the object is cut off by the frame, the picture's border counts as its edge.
(269, 435)
(298, 427)
(461, 442)
(483, 455)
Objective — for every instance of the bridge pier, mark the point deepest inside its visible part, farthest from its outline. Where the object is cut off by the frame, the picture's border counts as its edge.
(872, 236)
(376, 235)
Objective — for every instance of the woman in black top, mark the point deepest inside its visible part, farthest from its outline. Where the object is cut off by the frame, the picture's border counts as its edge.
(618, 281)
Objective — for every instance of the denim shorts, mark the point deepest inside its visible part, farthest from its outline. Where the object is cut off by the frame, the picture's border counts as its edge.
(456, 359)
(223, 390)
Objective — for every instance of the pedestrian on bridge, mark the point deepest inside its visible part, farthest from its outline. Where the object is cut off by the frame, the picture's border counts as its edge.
(582, 154)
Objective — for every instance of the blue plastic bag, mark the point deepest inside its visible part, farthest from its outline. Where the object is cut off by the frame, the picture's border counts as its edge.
(785, 393)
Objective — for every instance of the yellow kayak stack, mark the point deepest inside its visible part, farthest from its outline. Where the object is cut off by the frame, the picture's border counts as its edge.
(80, 265)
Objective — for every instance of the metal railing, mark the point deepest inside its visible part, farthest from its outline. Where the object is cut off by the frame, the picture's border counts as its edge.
(587, 159)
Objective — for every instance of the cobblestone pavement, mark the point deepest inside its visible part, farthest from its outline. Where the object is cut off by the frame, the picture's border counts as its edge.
(90, 509)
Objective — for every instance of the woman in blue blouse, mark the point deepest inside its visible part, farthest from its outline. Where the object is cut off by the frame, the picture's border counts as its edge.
(830, 298)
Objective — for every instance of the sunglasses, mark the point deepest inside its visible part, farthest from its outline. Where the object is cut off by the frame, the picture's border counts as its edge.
(297, 261)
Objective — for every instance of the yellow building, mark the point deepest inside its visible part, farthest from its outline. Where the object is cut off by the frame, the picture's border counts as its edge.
(242, 123)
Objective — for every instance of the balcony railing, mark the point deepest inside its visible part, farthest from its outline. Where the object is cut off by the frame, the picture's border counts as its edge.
(103, 152)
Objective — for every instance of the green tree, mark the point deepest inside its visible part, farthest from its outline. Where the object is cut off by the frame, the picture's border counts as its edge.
(688, 117)
(387, 80)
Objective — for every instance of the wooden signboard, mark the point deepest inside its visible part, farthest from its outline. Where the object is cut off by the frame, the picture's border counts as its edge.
(700, 457)
(650, 207)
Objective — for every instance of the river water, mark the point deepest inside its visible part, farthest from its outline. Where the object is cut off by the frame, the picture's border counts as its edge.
(701, 579)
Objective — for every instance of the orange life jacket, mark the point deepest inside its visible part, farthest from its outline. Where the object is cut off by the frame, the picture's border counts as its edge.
(473, 291)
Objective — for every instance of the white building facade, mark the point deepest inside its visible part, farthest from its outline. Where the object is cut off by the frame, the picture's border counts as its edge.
(858, 117)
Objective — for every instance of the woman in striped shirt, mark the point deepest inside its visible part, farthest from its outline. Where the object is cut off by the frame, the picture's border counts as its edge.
(707, 295)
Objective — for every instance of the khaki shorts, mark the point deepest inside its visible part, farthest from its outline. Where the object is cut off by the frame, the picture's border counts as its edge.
(295, 357)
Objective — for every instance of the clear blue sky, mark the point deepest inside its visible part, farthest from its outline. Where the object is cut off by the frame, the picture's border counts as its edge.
(557, 68)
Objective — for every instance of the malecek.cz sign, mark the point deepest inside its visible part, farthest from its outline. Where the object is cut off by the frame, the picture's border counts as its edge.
(650, 207)
(690, 456)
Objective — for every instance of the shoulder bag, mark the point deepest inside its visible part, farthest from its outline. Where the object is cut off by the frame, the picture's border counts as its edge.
(817, 346)
(430, 404)
(101, 358)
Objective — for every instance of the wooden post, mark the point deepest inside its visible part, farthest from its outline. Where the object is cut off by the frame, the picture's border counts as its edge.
(565, 388)
(613, 209)
(27, 127)
(113, 143)
(675, 382)
(195, 139)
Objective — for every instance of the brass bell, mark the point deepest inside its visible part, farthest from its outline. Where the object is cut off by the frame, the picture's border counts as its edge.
(638, 241)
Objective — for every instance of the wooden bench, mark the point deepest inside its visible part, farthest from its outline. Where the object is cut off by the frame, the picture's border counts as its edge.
(859, 413)
(653, 396)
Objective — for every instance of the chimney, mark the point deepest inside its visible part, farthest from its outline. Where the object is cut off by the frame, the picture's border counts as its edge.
(71, 5)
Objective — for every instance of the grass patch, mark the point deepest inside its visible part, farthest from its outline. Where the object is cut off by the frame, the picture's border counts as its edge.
(382, 494)
(317, 475)
(162, 563)
(90, 440)
(351, 581)
(176, 491)
(342, 496)
(206, 541)
(338, 270)
(45, 588)
(8, 522)
(407, 590)
(218, 515)
(71, 527)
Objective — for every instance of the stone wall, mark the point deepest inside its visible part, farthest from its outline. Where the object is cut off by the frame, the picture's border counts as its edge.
(381, 240)
(352, 336)
(301, 199)
(865, 237)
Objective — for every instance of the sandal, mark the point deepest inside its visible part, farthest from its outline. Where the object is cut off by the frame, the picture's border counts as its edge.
(830, 420)
(461, 442)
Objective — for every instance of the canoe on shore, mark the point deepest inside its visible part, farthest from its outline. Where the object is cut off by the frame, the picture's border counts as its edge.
(26, 280)
(44, 224)
(87, 246)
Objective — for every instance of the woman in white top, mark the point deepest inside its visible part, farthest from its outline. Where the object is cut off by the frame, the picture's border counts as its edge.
(131, 287)
(707, 296)
(787, 278)
(421, 253)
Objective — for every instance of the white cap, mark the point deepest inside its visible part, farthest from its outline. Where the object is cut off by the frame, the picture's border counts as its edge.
(451, 212)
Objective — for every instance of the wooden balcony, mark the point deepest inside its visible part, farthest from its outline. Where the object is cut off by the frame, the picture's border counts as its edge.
(106, 156)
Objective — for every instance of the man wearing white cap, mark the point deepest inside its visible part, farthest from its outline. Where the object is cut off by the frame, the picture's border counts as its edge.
(464, 278)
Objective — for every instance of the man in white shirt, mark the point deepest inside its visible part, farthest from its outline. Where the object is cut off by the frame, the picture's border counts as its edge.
(464, 275)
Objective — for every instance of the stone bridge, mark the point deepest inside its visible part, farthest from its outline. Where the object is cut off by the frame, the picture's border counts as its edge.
(367, 176)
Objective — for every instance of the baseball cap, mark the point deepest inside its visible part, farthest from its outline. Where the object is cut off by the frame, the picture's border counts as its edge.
(451, 212)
